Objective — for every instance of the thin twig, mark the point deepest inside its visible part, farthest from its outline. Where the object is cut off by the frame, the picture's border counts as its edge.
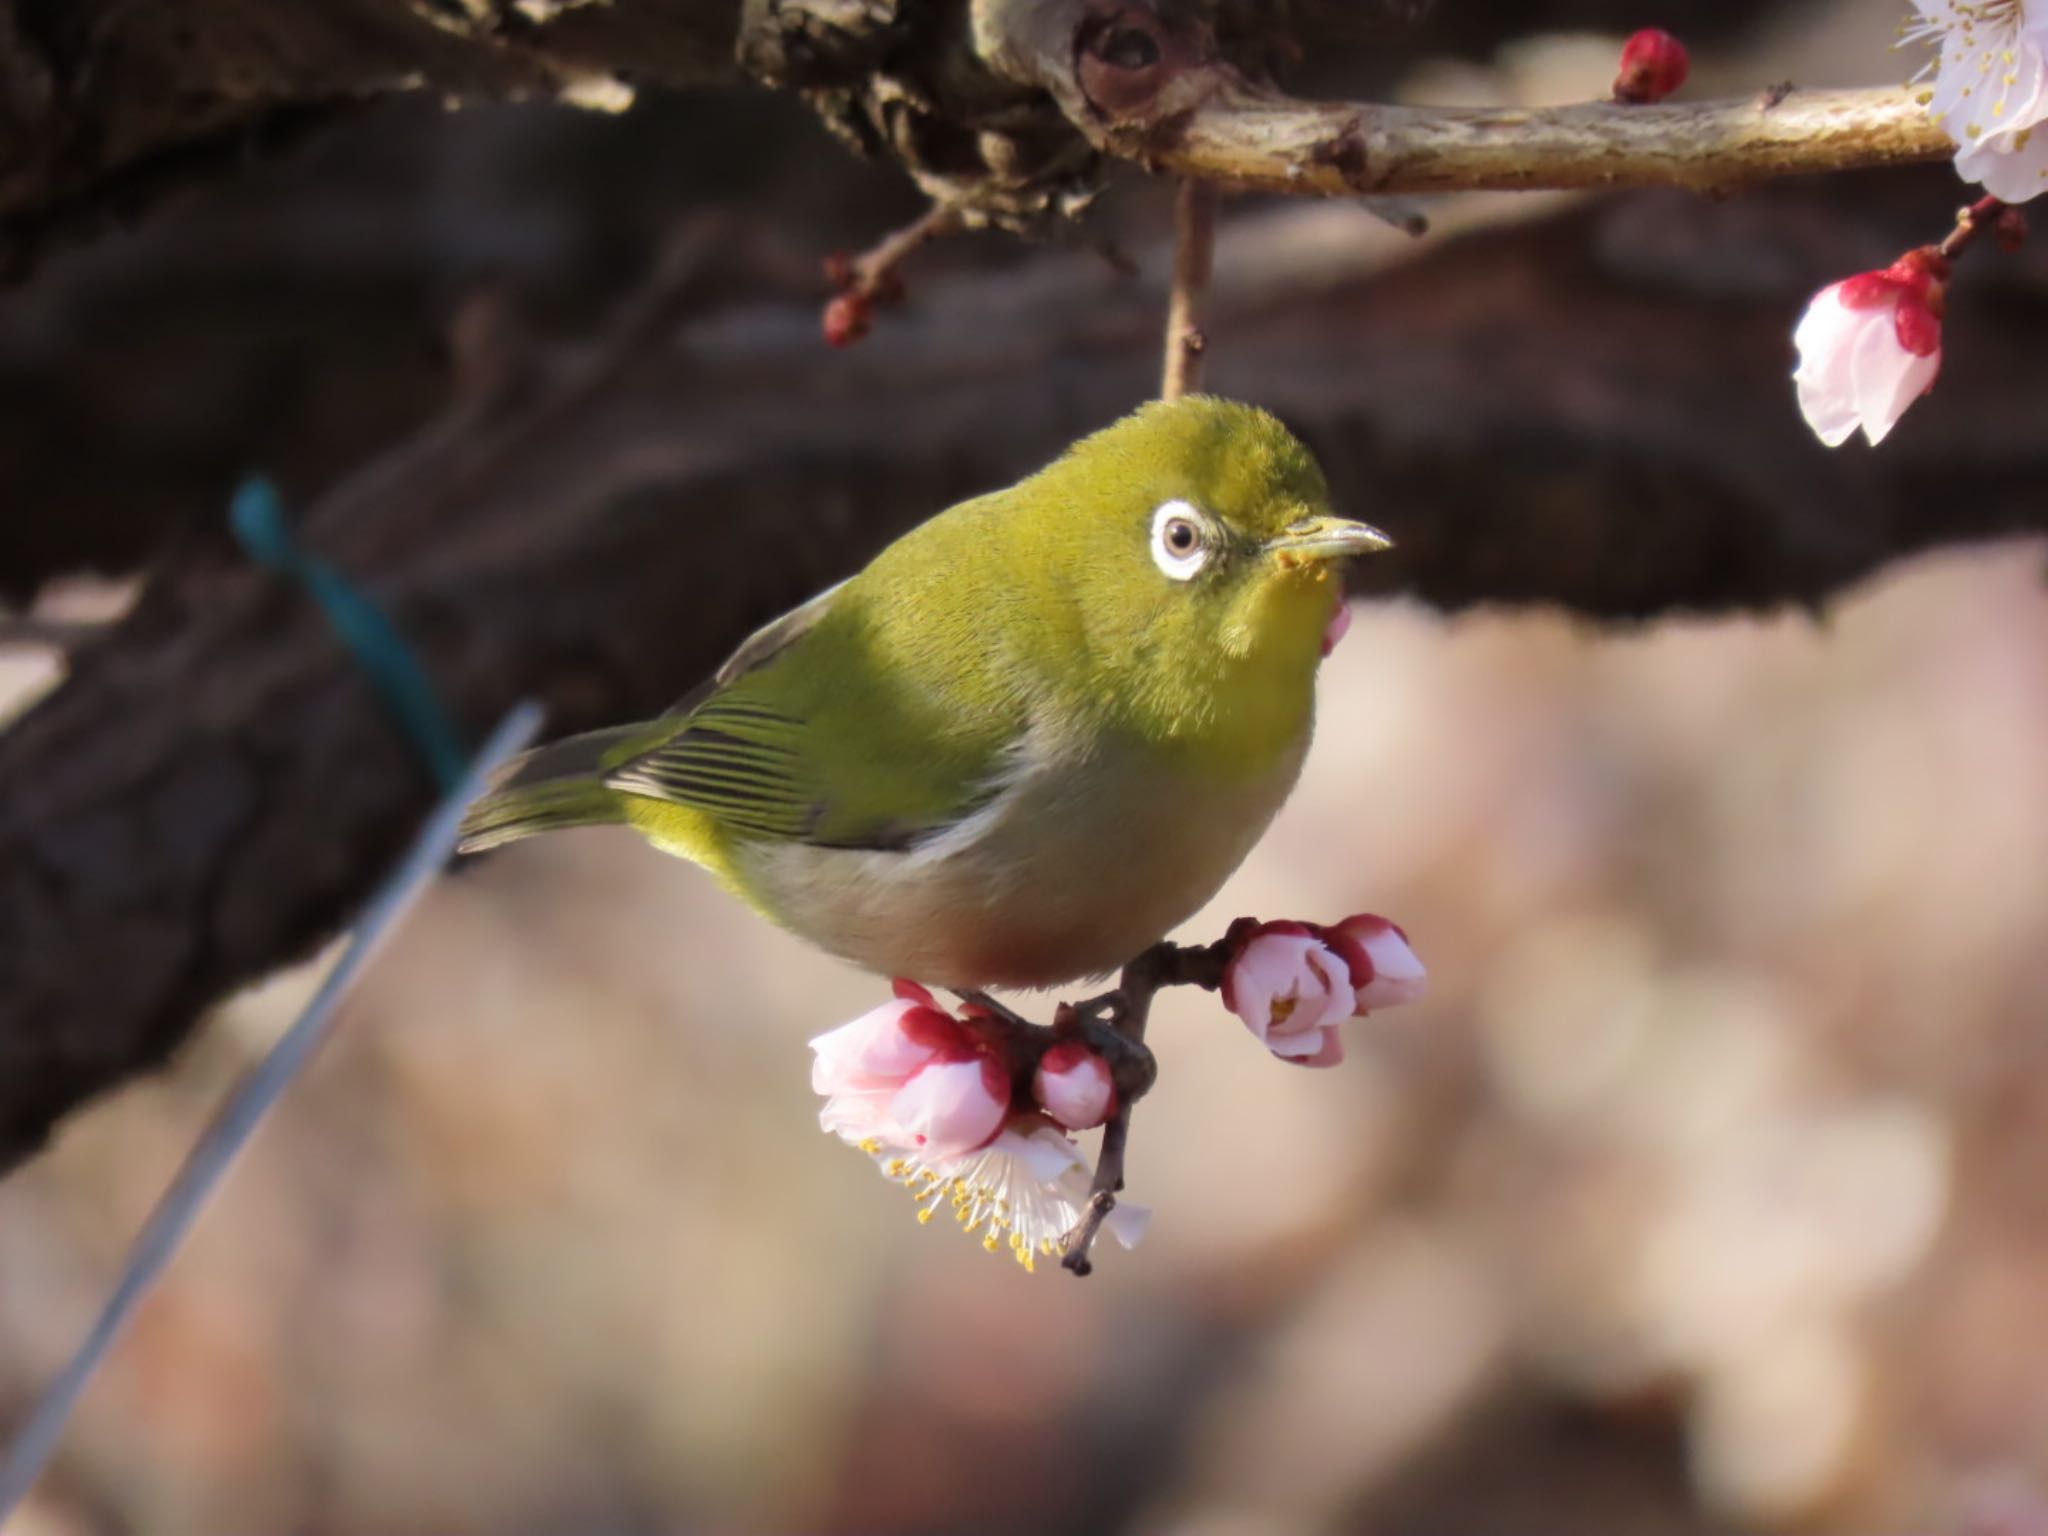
(1130, 1007)
(873, 273)
(1194, 249)
(1970, 222)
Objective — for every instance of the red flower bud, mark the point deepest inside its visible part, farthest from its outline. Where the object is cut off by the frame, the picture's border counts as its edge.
(1653, 65)
(847, 319)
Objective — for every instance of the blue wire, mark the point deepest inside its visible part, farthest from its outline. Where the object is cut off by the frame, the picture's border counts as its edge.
(252, 1098)
(258, 519)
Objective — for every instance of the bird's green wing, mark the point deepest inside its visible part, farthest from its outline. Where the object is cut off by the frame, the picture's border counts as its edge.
(815, 732)
(742, 766)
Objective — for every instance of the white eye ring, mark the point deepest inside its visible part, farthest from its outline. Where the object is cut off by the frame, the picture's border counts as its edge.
(1180, 540)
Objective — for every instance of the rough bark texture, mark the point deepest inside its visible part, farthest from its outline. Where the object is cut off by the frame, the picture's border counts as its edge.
(1590, 411)
(1006, 109)
(106, 103)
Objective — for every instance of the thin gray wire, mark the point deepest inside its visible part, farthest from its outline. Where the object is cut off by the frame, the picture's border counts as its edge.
(160, 1236)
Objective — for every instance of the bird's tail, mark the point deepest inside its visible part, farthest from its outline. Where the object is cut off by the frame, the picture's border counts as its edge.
(554, 787)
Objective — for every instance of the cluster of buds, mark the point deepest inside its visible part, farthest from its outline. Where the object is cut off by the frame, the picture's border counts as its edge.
(972, 1109)
(917, 1076)
(1294, 983)
(934, 1098)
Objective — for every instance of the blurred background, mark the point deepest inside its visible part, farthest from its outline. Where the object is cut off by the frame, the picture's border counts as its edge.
(1702, 1195)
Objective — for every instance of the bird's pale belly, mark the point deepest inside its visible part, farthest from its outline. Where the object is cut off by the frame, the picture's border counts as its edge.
(1069, 874)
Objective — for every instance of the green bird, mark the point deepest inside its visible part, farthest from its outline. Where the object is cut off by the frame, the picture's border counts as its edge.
(1034, 734)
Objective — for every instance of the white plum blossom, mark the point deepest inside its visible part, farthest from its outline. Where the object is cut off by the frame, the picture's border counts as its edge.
(1870, 346)
(1024, 1191)
(1989, 88)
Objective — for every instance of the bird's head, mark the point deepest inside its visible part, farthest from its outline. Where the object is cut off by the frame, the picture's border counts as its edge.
(1199, 539)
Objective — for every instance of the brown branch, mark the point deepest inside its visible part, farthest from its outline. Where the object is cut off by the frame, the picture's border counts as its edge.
(1258, 141)
(1151, 86)
(1985, 213)
(1194, 250)
(1009, 120)
(878, 269)
(1126, 1011)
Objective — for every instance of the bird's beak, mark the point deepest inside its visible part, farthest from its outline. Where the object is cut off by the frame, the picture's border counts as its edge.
(1327, 538)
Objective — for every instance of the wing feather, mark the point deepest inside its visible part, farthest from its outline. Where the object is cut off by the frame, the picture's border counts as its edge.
(817, 749)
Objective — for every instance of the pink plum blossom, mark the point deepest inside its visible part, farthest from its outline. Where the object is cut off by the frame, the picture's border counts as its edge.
(907, 1074)
(1072, 1085)
(952, 1104)
(911, 1085)
(1294, 983)
(1291, 989)
(1869, 347)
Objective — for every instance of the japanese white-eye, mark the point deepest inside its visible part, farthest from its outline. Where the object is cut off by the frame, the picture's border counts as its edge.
(1031, 736)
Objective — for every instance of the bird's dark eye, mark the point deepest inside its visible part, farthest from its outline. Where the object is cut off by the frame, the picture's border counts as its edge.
(1180, 540)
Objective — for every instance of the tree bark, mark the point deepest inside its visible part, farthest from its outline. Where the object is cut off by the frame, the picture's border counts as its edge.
(1006, 110)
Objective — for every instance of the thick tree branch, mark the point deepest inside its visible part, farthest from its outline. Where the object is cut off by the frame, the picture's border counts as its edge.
(1262, 142)
(105, 103)
(1150, 85)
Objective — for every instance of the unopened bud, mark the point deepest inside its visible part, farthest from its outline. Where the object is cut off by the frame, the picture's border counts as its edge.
(847, 319)
(1653, 65)
(1073, 1086)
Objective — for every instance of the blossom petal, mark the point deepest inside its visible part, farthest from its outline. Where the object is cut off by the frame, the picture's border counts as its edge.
(880, 1048)
(1073, 1085)
(1398, 974)
(2011, 167)
(1127, 1222)
(1887, 379)
(951, 1107)
(1853, 372)
(1823, 378)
